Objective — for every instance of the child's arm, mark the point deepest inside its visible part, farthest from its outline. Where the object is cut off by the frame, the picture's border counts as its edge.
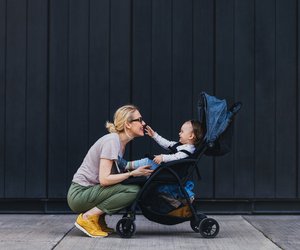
(158, 159)
(183, 152)
(164, 143)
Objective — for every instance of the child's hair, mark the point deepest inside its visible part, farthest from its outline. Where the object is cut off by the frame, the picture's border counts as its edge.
(198, 132)
(122, 115)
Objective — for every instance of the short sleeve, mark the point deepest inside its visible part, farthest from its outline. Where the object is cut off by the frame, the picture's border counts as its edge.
(110, 149)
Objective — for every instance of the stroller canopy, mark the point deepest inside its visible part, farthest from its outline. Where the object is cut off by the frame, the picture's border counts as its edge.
(214, 113)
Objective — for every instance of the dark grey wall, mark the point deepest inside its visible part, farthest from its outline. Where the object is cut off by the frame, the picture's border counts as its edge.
(65, 66)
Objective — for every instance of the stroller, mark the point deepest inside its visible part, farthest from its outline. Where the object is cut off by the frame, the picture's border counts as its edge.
(216, 119)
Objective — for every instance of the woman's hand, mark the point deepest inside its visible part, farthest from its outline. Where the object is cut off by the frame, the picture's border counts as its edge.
(149, 131)
(142, 171)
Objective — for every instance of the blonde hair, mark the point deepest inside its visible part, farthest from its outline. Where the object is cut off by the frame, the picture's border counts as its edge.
(121, 116)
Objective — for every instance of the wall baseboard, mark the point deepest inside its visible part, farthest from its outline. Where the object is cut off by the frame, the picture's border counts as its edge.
(243, 206)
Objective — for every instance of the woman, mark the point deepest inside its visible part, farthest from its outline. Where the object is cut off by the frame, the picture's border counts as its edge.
(96, 189)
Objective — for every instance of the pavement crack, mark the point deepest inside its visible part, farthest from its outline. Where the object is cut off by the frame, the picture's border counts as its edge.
(62, 238)
(275, 243)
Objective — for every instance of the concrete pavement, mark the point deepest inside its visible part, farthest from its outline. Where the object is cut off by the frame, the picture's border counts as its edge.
(36, 231)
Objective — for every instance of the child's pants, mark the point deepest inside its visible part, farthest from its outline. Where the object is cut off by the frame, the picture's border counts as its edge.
(137, 163)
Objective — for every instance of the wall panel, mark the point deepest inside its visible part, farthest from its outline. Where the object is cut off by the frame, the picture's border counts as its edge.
(203, 77)
(286, 73)
(224, 87)
(142, 70)
(58, 99)
(78, 91)
(244, 71)
(16, 83)
(36, 98)
(99, 51)
(120, 54)
(265, 98)
(162, 48)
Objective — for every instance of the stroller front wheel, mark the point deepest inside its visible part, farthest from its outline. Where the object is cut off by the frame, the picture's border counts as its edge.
(125, 227)
(209, 228)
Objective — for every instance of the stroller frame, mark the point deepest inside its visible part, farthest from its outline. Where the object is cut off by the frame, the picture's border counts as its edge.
(199, 222)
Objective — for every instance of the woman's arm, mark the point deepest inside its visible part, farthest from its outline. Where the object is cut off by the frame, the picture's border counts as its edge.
(107, 179)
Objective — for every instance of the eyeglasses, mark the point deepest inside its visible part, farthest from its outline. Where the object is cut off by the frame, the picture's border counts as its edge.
(140, 119)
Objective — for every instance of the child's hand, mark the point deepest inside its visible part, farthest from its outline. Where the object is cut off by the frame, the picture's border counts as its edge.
(158, 159)
(149, 131)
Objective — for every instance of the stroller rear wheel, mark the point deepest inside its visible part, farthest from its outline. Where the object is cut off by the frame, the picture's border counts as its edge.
(209, 228)
(125, 227)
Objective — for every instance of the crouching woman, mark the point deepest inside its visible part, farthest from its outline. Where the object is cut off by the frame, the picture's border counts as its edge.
(96, 188)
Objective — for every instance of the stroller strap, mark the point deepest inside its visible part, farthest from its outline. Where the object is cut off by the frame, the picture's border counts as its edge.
(174, 150)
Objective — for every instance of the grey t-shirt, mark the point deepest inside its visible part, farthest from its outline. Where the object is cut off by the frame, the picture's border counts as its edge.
(107, 147)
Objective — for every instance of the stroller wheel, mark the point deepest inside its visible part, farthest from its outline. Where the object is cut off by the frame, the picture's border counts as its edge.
(125, 228)
(209, 228)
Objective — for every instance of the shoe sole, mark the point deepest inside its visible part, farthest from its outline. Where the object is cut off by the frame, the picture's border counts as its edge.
(86, 232)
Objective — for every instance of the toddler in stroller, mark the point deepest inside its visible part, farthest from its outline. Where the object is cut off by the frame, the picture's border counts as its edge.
(190, 136)
(215, 119)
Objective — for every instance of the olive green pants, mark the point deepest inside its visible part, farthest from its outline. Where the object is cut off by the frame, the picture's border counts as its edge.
(109, 199)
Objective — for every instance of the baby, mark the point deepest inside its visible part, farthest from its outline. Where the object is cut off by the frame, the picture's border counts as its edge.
(190, 136)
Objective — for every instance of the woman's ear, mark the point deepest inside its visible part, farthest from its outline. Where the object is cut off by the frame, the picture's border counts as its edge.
(127, 124)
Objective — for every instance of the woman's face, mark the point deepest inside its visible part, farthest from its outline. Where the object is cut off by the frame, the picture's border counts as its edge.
(137, 124)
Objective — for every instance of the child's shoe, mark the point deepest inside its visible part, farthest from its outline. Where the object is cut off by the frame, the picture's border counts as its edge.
(90, 226)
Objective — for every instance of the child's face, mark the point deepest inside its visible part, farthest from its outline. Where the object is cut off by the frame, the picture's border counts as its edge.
(186, 135)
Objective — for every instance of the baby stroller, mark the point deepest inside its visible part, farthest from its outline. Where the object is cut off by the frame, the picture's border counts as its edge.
(216, 119)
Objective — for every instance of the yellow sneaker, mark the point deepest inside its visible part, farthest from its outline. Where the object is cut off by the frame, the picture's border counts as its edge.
(103, 225)
(90, 226)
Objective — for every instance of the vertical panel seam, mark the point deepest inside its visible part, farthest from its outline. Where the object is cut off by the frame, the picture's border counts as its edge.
(172, 66)
(109, 57)
(5, 83)
(254, 96)
(26, 96)
(192, 61)
(297, 100)
(48, 99)
(131, 63)
(214, 83)
(67, 92)
(88, 73)
(131, 51)
(275, 99)
(151, 69)
(234, 93)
